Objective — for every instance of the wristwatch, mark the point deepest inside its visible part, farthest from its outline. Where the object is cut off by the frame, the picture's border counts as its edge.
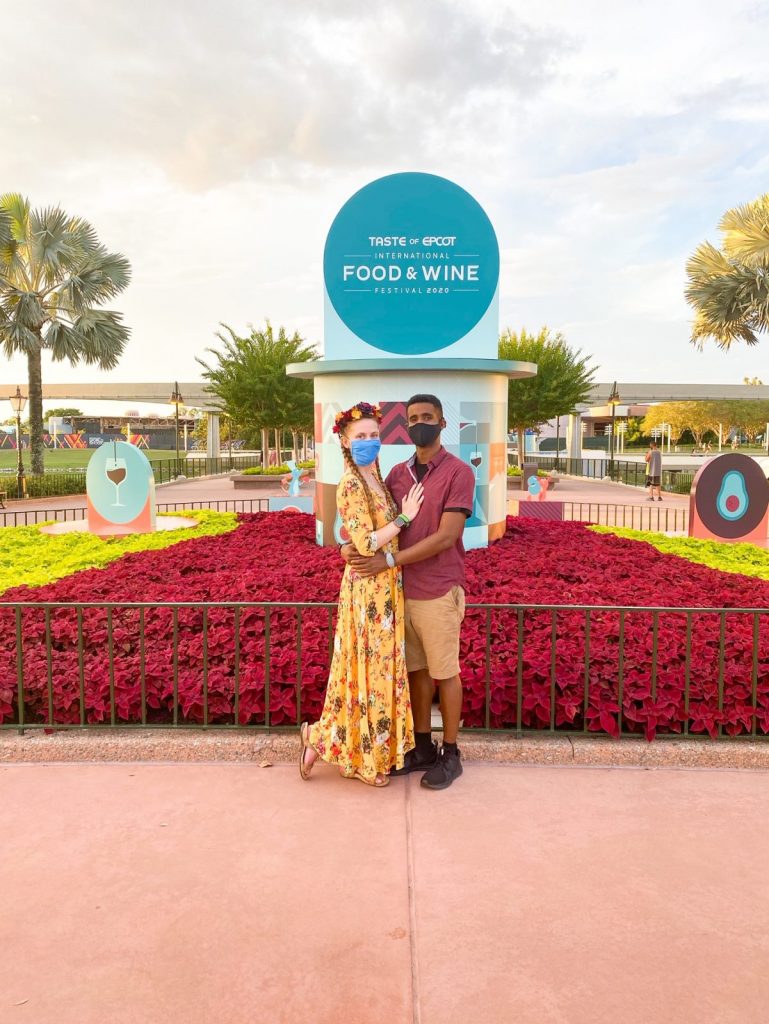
(402, 521)
(390, 559)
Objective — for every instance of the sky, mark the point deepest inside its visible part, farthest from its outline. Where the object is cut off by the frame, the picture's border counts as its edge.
(213, 144)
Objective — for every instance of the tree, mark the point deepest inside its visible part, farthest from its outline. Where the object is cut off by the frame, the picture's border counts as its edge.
(635, 433)
(65, 412)
(250, 382)
(563, 381)
(54, 277)
(200, 433)
(750, 418)
(729, 287)
(679, 416)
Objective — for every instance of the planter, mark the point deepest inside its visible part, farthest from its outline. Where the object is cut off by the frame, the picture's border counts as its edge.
(261, 481)
(514, 483)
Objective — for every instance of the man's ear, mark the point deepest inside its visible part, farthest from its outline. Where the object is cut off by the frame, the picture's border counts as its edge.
(443, 423)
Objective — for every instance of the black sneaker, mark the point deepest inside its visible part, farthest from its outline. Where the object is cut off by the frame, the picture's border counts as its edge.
(447, 768)
(412, 762)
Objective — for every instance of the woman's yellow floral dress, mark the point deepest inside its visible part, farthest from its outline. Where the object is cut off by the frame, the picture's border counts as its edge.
(366, 724)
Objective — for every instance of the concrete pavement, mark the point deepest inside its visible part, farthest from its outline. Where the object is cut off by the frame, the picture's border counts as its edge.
(233, 894)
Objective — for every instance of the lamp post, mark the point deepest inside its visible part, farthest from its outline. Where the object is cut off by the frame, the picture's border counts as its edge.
(18, 401)
(613, 402)
(176, 400)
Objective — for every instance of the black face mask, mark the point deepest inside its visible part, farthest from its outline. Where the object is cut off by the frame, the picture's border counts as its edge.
(424, 434)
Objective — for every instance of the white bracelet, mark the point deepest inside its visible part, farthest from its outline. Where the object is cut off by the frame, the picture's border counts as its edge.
(390, 559)
(374, 541)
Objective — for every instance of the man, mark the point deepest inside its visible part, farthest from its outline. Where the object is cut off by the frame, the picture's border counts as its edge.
(654, 470)
(432, 554)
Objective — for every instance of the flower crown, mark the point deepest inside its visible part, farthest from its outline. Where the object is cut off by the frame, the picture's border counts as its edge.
(361, 411)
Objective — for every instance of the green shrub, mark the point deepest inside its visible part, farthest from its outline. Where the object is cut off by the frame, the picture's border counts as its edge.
(275, 470)
(515, 471)
(52, 485)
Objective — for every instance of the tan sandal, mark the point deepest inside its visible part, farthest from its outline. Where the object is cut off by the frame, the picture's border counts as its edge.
(304, 771)
(368, 782)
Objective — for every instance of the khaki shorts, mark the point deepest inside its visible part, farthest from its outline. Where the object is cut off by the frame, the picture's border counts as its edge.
(432, 634)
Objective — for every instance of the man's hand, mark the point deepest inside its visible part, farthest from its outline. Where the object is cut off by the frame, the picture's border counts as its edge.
(348, 552)
(365, 565)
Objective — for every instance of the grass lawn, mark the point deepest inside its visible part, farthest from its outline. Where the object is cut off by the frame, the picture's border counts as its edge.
(63, 458)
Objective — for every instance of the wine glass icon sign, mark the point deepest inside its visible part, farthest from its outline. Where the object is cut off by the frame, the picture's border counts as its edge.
(476, 457)
(115, 470)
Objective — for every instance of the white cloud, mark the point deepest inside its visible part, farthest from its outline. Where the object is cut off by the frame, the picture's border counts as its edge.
(213, 144)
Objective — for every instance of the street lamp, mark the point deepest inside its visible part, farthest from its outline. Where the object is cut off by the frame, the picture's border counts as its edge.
(613, 402)
(229, 439)
(176, 400)
(18, 401)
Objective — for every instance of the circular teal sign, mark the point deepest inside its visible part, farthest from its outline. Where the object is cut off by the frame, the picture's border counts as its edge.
(118, 481)
(411, 263)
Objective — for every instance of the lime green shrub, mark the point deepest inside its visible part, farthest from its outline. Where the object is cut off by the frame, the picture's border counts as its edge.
(744, 559)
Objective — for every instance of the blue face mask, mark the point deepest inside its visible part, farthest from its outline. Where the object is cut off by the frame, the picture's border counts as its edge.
(364, 452)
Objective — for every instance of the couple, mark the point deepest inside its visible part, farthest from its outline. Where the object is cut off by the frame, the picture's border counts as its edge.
(401, 606)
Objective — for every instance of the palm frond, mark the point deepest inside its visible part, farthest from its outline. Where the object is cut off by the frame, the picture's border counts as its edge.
(84, 238)
(705, 262)
(746, 232)
(17, 208)
(99, 277)
(64, 342)
(6, 234)
(104, 337)
(17, 339)
(26, 308)
(50, 244)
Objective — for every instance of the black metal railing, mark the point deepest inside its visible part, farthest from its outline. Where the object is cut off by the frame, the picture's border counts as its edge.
(59, 482)
(651, 518)
(557, 669)
(29, 517)
(623, 471)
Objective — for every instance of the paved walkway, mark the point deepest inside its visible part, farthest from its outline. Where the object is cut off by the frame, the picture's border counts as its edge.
(220, 488)
(230, 894)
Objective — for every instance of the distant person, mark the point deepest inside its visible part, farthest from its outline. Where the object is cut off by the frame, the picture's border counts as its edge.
(654, 470)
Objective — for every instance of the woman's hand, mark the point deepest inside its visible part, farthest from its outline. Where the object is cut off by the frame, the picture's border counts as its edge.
(413, 501)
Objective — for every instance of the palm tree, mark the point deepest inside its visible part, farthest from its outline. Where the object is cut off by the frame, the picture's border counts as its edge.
(54, 277)
(729, 287)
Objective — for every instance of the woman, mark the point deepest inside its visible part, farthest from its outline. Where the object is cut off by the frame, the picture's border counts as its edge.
(366, 725)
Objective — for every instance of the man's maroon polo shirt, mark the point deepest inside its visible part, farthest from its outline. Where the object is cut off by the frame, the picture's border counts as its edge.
(449, 487)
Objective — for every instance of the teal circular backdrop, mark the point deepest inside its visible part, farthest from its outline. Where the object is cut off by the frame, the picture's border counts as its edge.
(411, 263)
(118, 500)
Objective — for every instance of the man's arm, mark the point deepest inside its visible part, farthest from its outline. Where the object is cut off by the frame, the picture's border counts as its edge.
(449, 531)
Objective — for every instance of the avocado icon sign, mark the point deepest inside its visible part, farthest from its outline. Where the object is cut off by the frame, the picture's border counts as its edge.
(732, 501)
(729, 500)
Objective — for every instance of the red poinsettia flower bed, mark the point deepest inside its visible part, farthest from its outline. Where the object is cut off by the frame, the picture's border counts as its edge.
(273, 557)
